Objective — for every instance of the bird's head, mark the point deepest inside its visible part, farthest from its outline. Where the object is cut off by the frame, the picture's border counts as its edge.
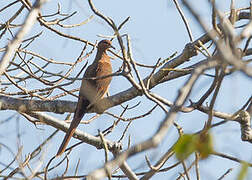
(105, 44)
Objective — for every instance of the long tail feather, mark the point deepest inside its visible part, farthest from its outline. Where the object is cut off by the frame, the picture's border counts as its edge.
(78, 115)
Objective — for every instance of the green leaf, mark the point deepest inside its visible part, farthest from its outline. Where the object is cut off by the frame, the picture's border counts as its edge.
(185, 146)
(204, 144)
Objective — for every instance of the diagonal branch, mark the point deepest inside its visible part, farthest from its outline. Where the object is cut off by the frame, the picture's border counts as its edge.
(30, 20)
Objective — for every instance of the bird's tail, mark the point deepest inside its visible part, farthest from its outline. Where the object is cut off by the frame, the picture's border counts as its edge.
(78, 115)
(66, 140)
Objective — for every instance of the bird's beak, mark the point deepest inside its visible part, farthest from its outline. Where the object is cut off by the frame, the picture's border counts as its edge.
(112, 47)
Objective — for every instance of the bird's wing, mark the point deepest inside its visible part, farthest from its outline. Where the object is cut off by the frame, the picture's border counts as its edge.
(95, 89)
(102, 85)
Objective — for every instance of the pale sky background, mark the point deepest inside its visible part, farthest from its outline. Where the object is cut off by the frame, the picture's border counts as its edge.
(157, 31)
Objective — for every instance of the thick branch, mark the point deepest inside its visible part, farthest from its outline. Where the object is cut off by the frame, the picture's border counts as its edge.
(26, 105)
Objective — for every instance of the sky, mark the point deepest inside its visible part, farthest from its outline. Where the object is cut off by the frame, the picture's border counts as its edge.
(157, 31)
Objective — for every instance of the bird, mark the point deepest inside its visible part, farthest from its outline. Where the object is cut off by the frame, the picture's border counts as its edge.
(92, 88)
